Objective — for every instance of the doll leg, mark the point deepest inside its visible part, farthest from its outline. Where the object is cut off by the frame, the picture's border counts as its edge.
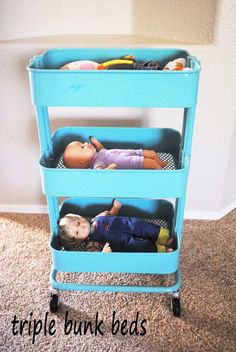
(146, 229)
(151, 154)
(155, 233)
(153, 164)
(145, 246)
(159, 161)
(140, 245)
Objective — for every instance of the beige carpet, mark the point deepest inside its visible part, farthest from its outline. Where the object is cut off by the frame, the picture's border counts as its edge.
(208, 295)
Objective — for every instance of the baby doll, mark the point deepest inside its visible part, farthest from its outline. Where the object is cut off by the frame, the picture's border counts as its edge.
(112, 233)
(94, 155)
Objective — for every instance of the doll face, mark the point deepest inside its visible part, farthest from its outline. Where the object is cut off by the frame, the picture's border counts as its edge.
(79, 226)
(79, 155)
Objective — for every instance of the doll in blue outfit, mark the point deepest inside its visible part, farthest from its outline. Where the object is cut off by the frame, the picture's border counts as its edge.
(109, 232)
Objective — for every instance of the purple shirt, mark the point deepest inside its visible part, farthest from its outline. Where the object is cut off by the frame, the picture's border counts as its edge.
(123, 158)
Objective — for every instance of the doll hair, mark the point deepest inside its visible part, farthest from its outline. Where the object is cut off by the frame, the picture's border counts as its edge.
(65, 236)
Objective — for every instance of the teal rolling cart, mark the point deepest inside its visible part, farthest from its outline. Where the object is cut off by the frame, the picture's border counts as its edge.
(144, 193)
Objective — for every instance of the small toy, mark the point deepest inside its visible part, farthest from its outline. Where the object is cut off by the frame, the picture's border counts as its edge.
(126, 62)
(175, 65)
(80, 65)
(148, 65)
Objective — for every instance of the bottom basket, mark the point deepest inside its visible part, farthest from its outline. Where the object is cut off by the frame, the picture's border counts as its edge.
(160, 211)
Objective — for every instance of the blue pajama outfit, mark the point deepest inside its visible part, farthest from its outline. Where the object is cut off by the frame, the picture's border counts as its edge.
(126, 234)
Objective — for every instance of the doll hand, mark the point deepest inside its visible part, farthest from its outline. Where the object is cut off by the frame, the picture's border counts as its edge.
(96, 143)
(107, 248)
(116, 204)
(111, 166)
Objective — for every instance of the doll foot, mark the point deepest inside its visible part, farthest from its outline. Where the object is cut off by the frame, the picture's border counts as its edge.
(169, 242)
(160, 165)
(163, 163)
(163, 249)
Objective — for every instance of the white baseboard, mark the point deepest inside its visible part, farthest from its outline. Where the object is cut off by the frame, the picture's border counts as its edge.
(188, 214)
(200, 215)
(23, 208)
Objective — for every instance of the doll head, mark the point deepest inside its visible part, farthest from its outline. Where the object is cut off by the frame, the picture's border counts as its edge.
(79, 155)
(73, 230)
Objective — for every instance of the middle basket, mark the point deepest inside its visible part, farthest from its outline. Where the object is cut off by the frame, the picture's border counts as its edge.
(167, 183)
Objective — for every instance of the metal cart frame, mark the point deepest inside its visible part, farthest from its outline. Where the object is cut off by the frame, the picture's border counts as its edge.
(114, 88)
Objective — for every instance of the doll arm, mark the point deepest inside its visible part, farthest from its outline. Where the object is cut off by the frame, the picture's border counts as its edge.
(106, 248)
(116, 206)
(98, 145)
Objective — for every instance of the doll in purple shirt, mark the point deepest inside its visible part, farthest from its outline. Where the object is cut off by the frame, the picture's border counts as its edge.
(109, 232)
(95, 156)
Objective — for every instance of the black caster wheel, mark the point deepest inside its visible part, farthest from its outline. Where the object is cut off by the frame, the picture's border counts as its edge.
(54, 303)
(175, 305)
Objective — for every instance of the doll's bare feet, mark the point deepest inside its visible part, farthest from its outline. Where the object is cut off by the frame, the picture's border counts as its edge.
(163, 249)
(167, 247)
(163, 163)
(169, 244)
(107, 248)
(160, 164)
(153, 164)
(168, 250)
(159, 160)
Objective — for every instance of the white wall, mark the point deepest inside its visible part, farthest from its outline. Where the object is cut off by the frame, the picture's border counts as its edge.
(27, 18)
(211, 188)
(186, 20)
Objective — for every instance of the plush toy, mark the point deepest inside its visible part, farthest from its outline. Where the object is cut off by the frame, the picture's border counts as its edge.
(124, 63)
(80, 65)
(148, 65)
(175, 65)
(112, 233)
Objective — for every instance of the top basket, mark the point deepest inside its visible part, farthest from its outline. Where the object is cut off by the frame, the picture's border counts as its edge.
(128, 88)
